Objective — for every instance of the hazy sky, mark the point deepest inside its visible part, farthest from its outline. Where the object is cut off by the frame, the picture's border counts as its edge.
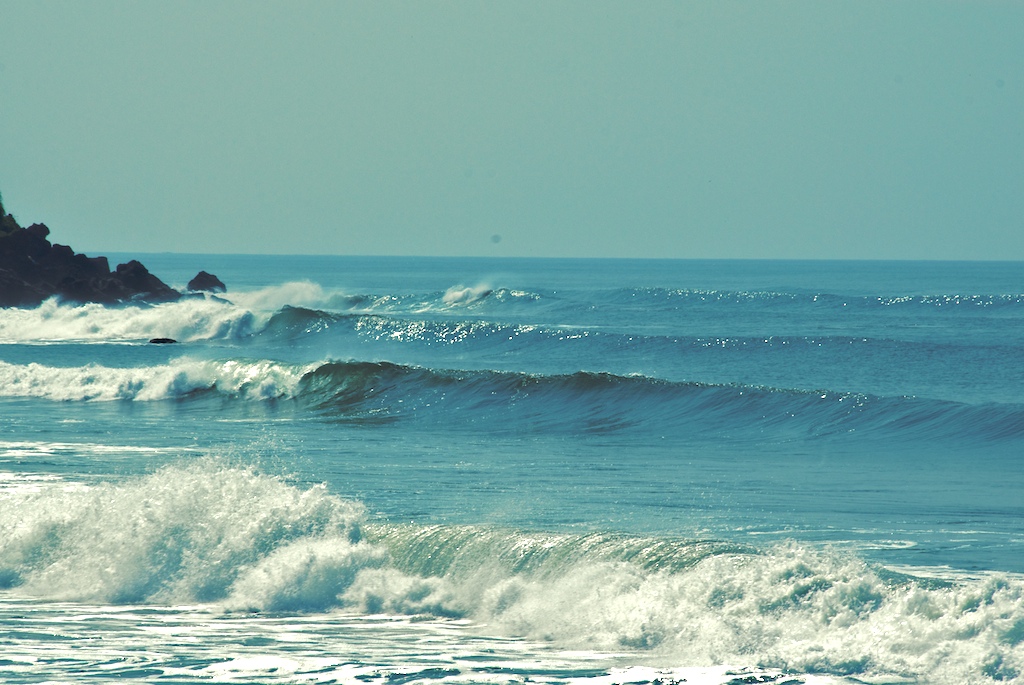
(645, 129)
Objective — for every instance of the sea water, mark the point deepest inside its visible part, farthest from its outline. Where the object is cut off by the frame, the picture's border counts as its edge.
(398, 470)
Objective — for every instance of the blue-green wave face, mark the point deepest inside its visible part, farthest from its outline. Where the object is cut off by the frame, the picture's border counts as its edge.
(583, 402)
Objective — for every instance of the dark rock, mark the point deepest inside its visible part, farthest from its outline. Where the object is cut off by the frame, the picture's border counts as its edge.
(32, 270)
(163, 341)
(7, 223)
(39, 231)
(15, 291)
(60, 254)
(207, 282)
(147, 287)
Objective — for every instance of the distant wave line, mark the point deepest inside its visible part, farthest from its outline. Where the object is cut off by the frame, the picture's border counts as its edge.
(580, 402)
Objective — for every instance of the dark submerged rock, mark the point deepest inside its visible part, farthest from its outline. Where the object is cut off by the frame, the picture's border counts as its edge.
(207, 282)
(32, 270)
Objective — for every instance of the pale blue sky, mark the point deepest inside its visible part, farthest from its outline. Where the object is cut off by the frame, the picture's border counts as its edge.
(854, 130)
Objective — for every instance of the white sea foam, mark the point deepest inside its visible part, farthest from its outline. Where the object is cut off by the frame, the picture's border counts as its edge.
(463, 295)
(194, 644)
(211, 532)
(184, 534)
(234, 316)
(258, 380)
(796, 608)
(186, 320)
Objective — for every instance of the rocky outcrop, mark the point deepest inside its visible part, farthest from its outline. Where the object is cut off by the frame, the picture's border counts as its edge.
(207, 282)
(32, 270)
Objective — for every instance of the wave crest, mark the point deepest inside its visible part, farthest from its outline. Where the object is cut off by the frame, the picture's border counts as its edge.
(253, 380)
(591, 402)
(188, 319)
(183, 534)
(208, 531)
(581, 402)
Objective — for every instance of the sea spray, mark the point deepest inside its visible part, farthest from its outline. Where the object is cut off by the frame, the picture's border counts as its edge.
(295, 294)
(460, 295)
(795, 606)
(195, 318)
(183, 377)
(208, 531)
(304, 575)
(189, 319)
(182, 534)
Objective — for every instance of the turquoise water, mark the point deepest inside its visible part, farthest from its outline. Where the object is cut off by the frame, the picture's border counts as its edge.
(398, 469)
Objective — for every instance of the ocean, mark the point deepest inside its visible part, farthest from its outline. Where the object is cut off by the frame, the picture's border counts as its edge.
(450, 470)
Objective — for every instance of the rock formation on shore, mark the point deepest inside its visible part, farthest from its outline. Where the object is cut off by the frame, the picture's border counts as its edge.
(33, 270)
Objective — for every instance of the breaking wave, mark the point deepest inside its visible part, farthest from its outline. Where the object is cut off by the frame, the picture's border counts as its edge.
(581, 402)
(232, 317)
(213, 532)
(183, 378)
(187, 320)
